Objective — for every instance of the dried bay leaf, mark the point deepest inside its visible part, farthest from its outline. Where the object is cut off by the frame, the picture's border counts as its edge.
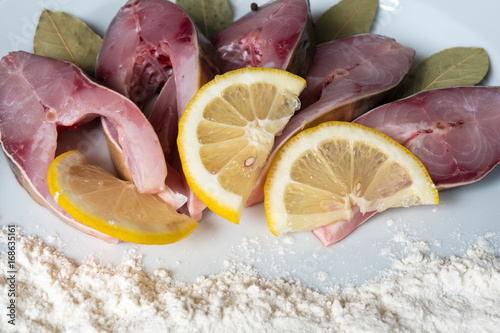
(457, 66)
(346, 18)
(210, 16)
(63, 36)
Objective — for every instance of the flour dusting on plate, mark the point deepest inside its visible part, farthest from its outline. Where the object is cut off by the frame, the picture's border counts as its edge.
(420, 292)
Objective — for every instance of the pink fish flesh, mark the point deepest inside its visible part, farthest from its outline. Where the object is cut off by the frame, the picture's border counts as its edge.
(148, 41)
(277, 35)
(39, 96)
(348, 77)
(164, 118)
(455, 132)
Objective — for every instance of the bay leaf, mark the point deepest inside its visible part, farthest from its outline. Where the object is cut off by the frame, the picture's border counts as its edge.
(210, 16)
(346, 18)
(456, 66)
(63, 36)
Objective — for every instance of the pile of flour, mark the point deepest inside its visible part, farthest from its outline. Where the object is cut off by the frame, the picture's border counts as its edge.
(420, 292)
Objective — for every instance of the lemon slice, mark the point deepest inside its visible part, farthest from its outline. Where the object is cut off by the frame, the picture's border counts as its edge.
(113, 206)
(319, 175)
(227, 132)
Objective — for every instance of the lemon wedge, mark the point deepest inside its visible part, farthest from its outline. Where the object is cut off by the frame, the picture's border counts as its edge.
(227, 132)
(113, 206)
(319, 175)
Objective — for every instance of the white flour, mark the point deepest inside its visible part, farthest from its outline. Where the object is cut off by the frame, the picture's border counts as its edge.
(421, 292)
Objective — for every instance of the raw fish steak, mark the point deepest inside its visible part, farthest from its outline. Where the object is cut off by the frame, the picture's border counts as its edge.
(39, 96)
(455, 132)
(348, 77)
(278, 34)
(153, 46)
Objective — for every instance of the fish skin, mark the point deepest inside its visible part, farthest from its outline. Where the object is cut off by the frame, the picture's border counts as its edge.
(455, 132)
(53, 94)
(279, 34)
(151, 46)
(348, 77)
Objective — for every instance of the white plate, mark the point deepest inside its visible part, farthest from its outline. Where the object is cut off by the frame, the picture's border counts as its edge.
(427, 26)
